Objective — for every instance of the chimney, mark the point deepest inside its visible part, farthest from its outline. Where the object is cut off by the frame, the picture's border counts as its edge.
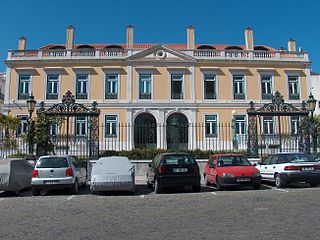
(292, 45)
(70, 37)
(248, 33)
(130, 29)
(22, 44)
(190, 37)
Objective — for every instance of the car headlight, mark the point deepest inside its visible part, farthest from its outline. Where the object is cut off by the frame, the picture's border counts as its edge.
(256, 174)
(227, 175)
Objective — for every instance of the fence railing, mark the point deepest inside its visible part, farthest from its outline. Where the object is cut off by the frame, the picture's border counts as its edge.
(222, 137)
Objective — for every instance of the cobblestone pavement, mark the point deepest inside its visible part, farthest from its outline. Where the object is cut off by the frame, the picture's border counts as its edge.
(269, 213)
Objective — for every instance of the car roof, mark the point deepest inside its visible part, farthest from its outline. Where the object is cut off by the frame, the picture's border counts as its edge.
(174, 153)
(227, 154)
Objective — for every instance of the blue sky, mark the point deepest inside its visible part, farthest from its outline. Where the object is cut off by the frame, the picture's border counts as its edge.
(162, 21)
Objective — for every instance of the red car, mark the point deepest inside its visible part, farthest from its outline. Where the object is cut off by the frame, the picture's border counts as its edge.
(223, 170)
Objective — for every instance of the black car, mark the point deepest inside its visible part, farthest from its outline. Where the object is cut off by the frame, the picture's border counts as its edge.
(173, 170)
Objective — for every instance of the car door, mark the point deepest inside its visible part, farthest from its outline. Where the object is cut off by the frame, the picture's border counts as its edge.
(212, 170)
(264, 168)
(272, 168)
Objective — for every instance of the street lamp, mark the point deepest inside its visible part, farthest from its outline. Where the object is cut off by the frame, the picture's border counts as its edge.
(30, 105)
(234, 138)
(312, 106)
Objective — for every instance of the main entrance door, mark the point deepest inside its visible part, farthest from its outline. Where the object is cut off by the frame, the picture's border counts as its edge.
(177, 132)
(145, 131)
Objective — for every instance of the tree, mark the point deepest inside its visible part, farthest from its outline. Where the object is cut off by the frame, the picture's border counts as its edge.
(9, 125)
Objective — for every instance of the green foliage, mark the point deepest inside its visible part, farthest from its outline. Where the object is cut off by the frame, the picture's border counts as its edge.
(147, 154)
(41, 135)
(9, 124)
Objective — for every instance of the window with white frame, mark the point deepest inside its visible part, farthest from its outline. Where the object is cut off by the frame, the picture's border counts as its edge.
(24, 86)
(294, 125)
(53, 130)
(240, 124)
(81, 126)
(111, 91)
(268, 125)
(238, 87)
(82, 86)
(23, 125)
(294, 88)
(52, 86)
(266, 86)
(209, 86)
(211, 126)
(176, 86)
(144, 86)
(111, 122)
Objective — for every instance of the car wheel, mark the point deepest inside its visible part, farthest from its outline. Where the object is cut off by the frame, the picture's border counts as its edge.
(256, 187)
(157, 188)
(313, 184)
(35, 192)
(206, 182)
(219, 185)
(279, 182)
(196, 188)
(75, 188)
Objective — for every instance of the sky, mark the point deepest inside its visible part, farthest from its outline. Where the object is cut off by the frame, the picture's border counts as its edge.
(274, 22)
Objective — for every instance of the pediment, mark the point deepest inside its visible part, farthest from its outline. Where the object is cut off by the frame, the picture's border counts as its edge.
(161, 53)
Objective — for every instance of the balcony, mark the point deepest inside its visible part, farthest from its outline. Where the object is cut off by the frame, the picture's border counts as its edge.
(209, 54)
(51, 96)
(267, 96)
(239, 96)
(145, 96)
(23, 96)
(294, 96)
(81, 95)
(111, 95)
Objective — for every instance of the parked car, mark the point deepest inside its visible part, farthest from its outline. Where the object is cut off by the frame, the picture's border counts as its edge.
(223, 170)
(173, 170)
(285, 168)
(15, 175)
(112, 174)
(58, 172)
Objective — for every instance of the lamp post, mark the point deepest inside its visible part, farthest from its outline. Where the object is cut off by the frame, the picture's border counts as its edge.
(30, 105)
(234, 138)
(312, 106)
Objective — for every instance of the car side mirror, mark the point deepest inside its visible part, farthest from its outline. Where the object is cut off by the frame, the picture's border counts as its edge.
(149, 164)
(254, 164)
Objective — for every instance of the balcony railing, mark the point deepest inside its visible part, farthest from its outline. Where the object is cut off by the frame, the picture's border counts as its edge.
(111, 95)
(256, 55)
(52, 96)
(239, 96)
(145, 96)
(81, 96)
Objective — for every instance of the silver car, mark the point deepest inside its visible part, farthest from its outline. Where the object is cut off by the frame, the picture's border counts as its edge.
(58, 172)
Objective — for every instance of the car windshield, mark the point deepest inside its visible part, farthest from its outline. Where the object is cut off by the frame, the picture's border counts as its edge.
(300, 158)
(178, 160)
(227, 161)
(53, 162)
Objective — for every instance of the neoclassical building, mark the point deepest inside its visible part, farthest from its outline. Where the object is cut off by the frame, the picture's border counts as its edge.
(189, 94)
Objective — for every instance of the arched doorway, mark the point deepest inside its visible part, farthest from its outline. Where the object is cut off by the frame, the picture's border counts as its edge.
(145, 131)
(177, 132)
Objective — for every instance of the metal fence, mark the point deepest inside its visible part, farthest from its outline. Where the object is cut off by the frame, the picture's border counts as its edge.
(126, 136)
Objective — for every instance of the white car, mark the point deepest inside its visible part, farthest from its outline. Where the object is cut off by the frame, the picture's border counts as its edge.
(112, 174)
(284, 168)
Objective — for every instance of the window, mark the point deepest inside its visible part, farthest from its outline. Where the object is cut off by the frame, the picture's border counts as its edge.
(81, 126)
(176, 86)
(238, 87)
(82, 86)
(294, 89)
(266, 87)
(294, 125)
(111, 91)
(211, 126)
(53, 130)
(209, 86)
(24, 86)
(111, 126)
(52, 86)
(23, 125)
(268, 125)
(145, 86)
(240, 124)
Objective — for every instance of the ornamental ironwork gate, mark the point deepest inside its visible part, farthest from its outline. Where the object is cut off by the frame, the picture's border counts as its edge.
(72, 127)
(278, 127)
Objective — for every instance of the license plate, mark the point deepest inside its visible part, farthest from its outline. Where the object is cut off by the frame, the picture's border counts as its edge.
(51, 182)
(308, 169)
(179, 170)
(243, 180)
